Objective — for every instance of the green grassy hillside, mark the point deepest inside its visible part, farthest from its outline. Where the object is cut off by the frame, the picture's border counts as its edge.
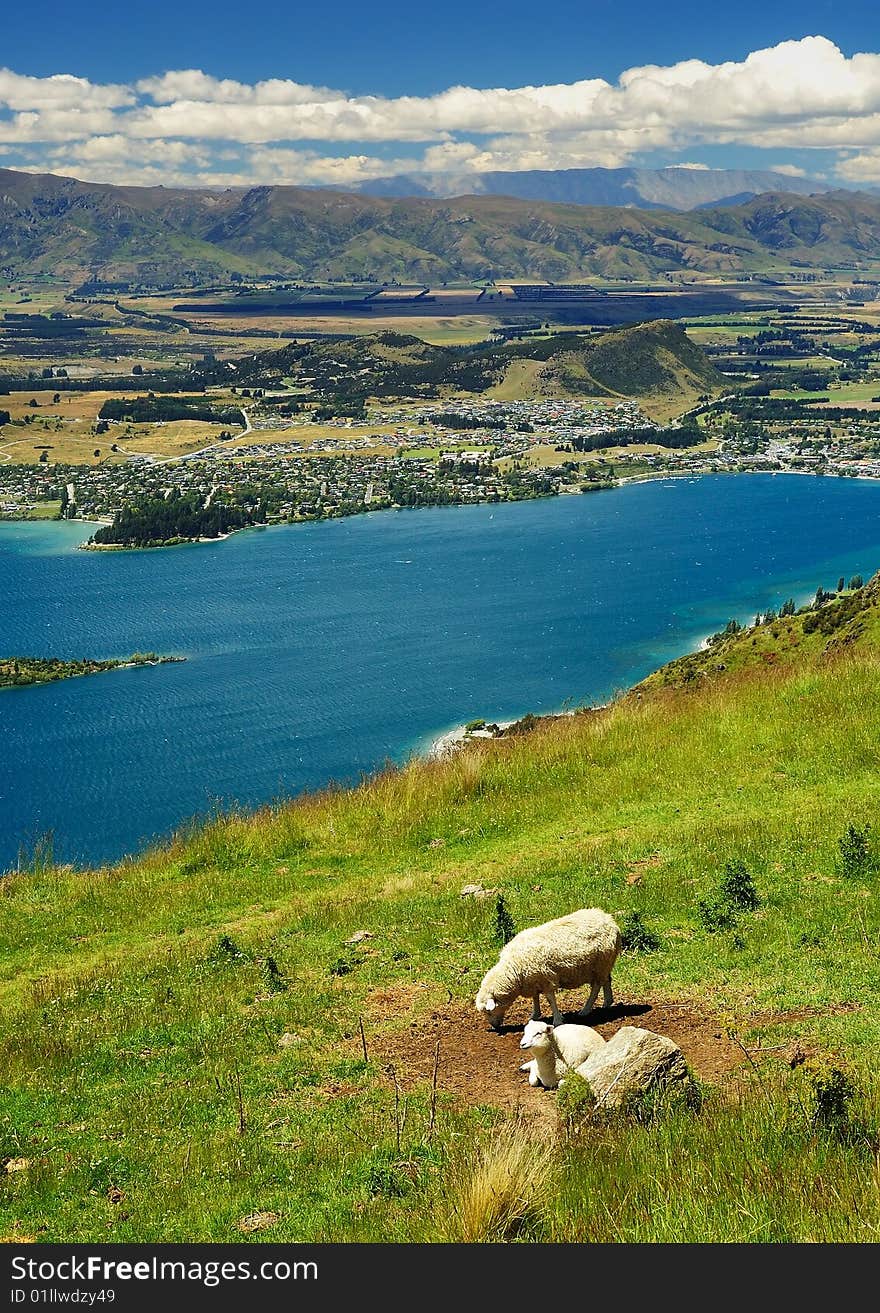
(655, 361)
(237, 1034)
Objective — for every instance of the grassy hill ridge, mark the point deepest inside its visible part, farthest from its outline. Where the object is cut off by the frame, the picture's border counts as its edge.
(653, 361)
(828, 627)
(182, 1056)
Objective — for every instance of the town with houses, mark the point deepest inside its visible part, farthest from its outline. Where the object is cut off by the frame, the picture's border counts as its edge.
(491, 451)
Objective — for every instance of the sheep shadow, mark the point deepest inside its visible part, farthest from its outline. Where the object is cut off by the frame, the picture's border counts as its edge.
(598, 1017)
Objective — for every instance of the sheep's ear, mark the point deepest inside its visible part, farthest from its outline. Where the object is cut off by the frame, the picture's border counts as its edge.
(490, 1004)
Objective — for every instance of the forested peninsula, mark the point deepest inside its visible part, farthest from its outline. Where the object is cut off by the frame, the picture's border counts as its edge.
(17, 672)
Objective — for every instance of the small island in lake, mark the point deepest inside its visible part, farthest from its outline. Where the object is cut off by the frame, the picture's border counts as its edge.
(16, 672)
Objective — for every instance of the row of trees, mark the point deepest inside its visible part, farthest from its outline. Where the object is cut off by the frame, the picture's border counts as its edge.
(160, 381)
(676, 438)
(778, 408)
(451, 420)
(152, 409)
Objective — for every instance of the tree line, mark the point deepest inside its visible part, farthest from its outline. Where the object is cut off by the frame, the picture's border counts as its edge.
(677, 438)
(157, 520)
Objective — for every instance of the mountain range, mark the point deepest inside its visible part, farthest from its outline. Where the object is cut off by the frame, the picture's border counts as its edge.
(157, 235)
(646, 189)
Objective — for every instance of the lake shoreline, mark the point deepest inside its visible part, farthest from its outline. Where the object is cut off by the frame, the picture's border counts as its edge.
(661, 476)
(452, 740)
(615, 484)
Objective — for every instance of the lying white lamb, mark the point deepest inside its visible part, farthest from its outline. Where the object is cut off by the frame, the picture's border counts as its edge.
(557, 1050)
(579, 949)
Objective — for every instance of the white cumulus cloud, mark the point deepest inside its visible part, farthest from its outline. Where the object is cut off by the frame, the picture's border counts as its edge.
(804, 94)
(60, 91)
(863, 168)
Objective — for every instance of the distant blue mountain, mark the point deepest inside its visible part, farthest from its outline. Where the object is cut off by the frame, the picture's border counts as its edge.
(646, 189)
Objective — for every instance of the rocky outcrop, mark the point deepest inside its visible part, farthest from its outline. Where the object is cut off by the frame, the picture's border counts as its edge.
(634, 1062)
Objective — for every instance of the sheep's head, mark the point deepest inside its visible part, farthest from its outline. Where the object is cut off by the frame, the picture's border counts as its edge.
(486, 1002)
(537, 1036)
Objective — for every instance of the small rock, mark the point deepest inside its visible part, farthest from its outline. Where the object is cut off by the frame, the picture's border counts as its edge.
(257, 1222)
(477, 891)
(17, 1164)
(631, 1063)
(289, 1039)
(358, 936)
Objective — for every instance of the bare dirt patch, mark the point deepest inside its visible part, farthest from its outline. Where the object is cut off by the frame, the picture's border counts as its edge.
(638, 869)
(392, 1000)
(480, 1066)
(476, 1065)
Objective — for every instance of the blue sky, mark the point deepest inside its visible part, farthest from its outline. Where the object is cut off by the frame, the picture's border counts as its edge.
(230, 94)
(391, 47)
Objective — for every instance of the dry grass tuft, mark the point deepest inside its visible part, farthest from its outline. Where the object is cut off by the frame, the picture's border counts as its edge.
(503, 1191)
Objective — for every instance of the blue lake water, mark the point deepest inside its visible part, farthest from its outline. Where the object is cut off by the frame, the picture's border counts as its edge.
(318, 652)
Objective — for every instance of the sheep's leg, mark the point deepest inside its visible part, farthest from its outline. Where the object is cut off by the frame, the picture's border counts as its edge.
(532, 1068)
(536, 1008)
(588, 1006)
(607, 994)
(557, 1015)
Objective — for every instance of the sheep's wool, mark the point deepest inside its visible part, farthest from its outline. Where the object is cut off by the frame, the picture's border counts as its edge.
(572, 951)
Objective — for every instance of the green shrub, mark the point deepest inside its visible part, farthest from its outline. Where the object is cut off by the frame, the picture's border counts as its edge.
(343, 966)
(636, 936)
(226, 952)
(855, 858)
(273, 977)
(737, 889)
(715, 914)
(575, 1100)
(646, 1106)
(833, 1091)
(504, 927)
(736, 893)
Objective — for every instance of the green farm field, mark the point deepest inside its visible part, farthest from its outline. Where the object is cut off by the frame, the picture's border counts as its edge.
(845, 394)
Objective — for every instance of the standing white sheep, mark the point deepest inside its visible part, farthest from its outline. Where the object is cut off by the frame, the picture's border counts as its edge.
(557, 1050)
(579, 949)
